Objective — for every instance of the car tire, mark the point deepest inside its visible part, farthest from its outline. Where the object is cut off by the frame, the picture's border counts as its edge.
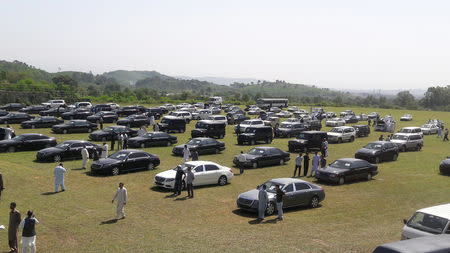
(115, 171)
(11, 149)
(217, 151)
(270, 209)
(168, 144)
(341, 181)
(222, 180)
(128, 125)
(377, 160)
(6, 122)
(352, 139)
(89, 130)
(394, 157)
(267, 140)
(57, 158)
(64, 131)
(314, 203)
(221, 136)
(418, 148)
(239, 142)
(150, 166)
(142, 145)
(369, 176)
(252, 142)
(281, 161)
(33, 126)
(403, 149)
(183, 130)
(339, 140)
(103, 139)
(255, 165)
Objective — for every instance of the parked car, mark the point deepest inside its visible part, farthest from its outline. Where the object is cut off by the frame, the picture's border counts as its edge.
(429, 129)
(255, 134)
(406, 117)
(335, 122)
(151, 139)
(351, 119)
(54, 111)
(101, 108)
(41, 122)
(297, 193)
(15, 118)
(373, 115)
(362, 117)
(12, 107)
(76, 114)
(156, 112)
(263, 156)
(54, 103)
(107, 116)
(127, 111)
(217, 118)
(201, 114)
(341, 134)
(240, 128)
(172, 123)
(378, 151)
(208, 128)
(3, 113)
(428, 221)
(187, 116)
(275, 109)
(288, 129)
(85, 105)
(362, 130)
(254, 111)
(125, 161)
(313, 125)
(205, 172)
(347, 169)
(444, 167)
(307, 141)
(283, 114)
(67, 150)
(386, 124)
(170, 107)
(74, 126)
(408, 141)
(136, 120)
(273, 122)
(27, 142)
(236, 118)
(202, 145)
(33, 109)
(107, 133)
(411, 130)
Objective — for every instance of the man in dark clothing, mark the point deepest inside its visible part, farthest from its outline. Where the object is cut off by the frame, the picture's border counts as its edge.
(1, 185)
(446, 135)
(305, 164)
(13, 229)
(368, 121)
(194, 155)
(323, 161)
(189, 179)
(381, 138)
(178, 181)
(125, 141)
(113, 140)
(28, 232)
(279, 195)
(101, 123)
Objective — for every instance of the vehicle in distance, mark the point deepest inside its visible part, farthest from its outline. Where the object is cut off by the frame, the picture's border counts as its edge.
(107, 116)
(205, 172)
(12, 107)
(341, 134)
(255, 134)
(408, 141)
(444, 167)
(362, 130)
(429, 129)
(406, 117)
(41, 122)
(209, 128)
(428, 221)
(152, 139)
(135, 120)
(107, 133)
(297, 193)
(202, 145)
(25, 142)
(347, 169)
(263, 156)
(54, 111)
(3, 113)
(172, 123)
(124, 161)
(33, 109)
(411, 130)
(240, 128)
(378, 151)
(74, 126)
(307, 140)
(334, 122)
(54, 103)
(76, 114)
(15, 118)
(289, 129)
(67, 150)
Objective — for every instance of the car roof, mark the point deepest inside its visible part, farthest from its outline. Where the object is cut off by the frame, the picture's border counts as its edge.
(380, 142)
(202, 138)
(78, 120)
(197, 163)
(350, 160)
(172, 117)
(343, 127)
(287, 180)
(76, 141)
(212, 122)
(313, 132)
(431, 243)
(266, 148)
(31, 134)
(439, 210)
(413, 127)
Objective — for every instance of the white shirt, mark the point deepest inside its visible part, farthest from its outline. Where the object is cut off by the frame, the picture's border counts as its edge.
(186, 153)
(59, 174)
(242, 158)
(84, 154)
(121, 195)
(298, 160)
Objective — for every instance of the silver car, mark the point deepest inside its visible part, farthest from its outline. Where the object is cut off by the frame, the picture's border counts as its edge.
(408, 141)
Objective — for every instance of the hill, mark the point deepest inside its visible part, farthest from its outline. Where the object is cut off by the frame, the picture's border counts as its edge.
(125, 77)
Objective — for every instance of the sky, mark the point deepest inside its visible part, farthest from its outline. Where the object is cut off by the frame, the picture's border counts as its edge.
(349, 44)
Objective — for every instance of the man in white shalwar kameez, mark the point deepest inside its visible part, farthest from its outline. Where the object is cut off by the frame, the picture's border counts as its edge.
(263, 199)
(186, 153)
(121, 196)
(141, 132)
(315, 164)
(104, 150)
(85, 157)
(59, 177)
(8, 133)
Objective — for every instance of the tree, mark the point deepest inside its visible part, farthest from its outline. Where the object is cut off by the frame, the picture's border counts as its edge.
(406, 100)
(65, 79)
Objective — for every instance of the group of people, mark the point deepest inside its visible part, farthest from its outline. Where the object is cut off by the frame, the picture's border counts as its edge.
(27, 225)
(317, 160)
(187, 177)
(187, 153)
(9, 133)
(122, 140)
(263, 201)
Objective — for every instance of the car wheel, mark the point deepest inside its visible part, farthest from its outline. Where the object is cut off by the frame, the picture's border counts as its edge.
(33, 126)
(64, 131)
(352, 139)
(151, 166)
(115, 171)
(281, 161)
(267, 140)
(217, 151)
(239, 142)
(183, 130)
(394, 157)
(188, 121)
(369, 176)
(142, 145)
(418, 148)
(6, 122)
(221, 136)
(128, 125)
(270, 209)
(403, 148)
(11, 149)
(252, 142)
(314, 202)
(89, 130)
(339, 140)
(255, 165)
(222, 180)
(341, 180)
(57, 158)
(377, 160)
(168, 144)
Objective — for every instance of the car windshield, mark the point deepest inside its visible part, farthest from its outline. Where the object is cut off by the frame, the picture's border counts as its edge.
(284, 125)
(427, 222)
(270, 186)
(250, 130)
(63, 145)
(339, 164)
(149, 135)
(427, 126)
(399, 137)
(406, 130)
(194, 142)
(119, 155)
(245, 122)
(184, 167)
(256, 151)
(376, 146)
(201, 125)
(18, 138)
(337, 130)
(304, 136)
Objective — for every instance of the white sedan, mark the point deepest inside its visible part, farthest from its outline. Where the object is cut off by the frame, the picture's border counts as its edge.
(429, 129)
(334, 122)
(205, 173)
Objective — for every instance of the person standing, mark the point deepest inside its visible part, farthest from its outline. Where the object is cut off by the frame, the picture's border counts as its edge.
(152, 120)
(279, 196)
(8, 132)
(178, 180)
(120, 142)
(324, 147)
(242, 158)
(141, 132)
(263, 199)
(323, 161)
(1, 185)
(439, 132)
(121, 196)
(125, 141)
(298, 164)
(186, 153)
(13, 229)
(368, 121)
(113, 140)
(95, 156)
(59, 177)
(156, 128)
(101, 122)
(189, 179)
(105, 150)
(446, 134)
(381, 138)
(29, 232)
(305, 164)
(85, 157)
(315, 164)
(195, 155)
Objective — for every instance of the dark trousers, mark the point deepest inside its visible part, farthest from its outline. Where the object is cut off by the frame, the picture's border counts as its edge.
(445, 137)
(190, 190)
(241, 169)
(305, 171)
(177, 188)
(101, 125)
(112, 145)
(299, 167)
(125, 144)
(13, 243)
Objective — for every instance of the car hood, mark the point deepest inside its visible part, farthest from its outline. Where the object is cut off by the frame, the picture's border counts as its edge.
(93, 117)
(399, 141)
(253, 194)
(107, 161)
(167, 174)
(330, 169)
(248, 157)
(51, 150)
(282, 129)
(137, 139)
(367, 151)
(334, 134)
(60, 125)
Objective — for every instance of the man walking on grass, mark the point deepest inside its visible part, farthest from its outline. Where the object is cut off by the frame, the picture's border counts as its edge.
(446, 135)
(298, 164)
(263, 199)
(59, 177)
(279, 196)
(121, 196)
(13, 229)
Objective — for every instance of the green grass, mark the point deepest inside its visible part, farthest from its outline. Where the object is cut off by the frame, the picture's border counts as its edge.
(354, 217)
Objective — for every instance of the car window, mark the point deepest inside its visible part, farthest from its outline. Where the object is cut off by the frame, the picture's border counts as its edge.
(137, 155)
(301, 186)
(77, 145)
(199, 168)
(289, 188)
(211, 167)
(210, 141)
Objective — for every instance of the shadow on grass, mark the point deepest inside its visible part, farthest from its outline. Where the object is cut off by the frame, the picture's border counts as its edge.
(49, 193)
(321, 182)
(111, 221)
(181, 198)
(77, 169)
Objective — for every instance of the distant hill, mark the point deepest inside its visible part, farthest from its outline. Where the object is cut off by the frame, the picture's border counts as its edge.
(221, 80)
(25, 70)
(126, 77)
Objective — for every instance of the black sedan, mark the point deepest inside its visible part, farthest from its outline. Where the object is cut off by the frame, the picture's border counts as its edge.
(351, 119)
(15, 118)
(127, 110)
(263, 156)
(136, 120)
(125, 160)
(444, 167)
(378, 151)
(347, 169)
(152, 139)
(41, 122)
(27, 142)
(297, 193)
(202, 145)
(107, 116)
(289, 129)
(33, 109)
(55, 111)
(12, 107)
(107, 133)
(76, 114)
(67, 150)
(74, 126)
(3, 113)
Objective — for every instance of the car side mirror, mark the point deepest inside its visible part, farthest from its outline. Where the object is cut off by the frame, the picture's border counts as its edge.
(405, 221)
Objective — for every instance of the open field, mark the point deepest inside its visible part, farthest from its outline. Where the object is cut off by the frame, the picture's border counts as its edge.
(354, 217)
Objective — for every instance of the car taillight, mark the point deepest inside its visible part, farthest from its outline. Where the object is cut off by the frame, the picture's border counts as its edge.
(231, 170)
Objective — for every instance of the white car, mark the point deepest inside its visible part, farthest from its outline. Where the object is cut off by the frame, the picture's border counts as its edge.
(201, 114)
(283, 114)
(428, 221)
(340, 134)
(406, 117)
(181, 114)
(170, 107)
(429, 129)
(54, 103)
(205, 173)
(219, 118)
(85, 105)
(254, 111)
(334, 122)
(411, 130)
(113, 105)
(249, 123)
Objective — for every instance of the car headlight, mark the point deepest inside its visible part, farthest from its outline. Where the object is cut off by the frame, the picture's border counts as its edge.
(170, 179)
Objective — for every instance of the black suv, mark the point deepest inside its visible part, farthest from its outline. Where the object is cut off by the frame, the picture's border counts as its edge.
(308, 140)
(289, 129)
(171, 123)
(209, 128)
(362, 130)
(254, 134)
(313, 125)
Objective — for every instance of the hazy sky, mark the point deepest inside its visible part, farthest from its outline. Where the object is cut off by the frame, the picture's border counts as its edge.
(348, 44)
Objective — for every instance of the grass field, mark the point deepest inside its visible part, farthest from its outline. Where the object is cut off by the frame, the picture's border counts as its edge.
(354, 217)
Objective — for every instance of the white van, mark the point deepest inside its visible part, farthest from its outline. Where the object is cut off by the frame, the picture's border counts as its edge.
(428, 221)
(215, 101)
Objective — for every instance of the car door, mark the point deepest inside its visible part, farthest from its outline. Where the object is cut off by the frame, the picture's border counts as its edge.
(359, 170)
(199, 174)
(289, 197)
(158, 139)
(275, 156)
(74, 151)
(264, 158)
(302, 194)
(211, 174)
(37, 142)
(390, 151)
(136, 161)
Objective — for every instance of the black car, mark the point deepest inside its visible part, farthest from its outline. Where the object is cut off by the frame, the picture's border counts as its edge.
(209, 128)
(15, 118)
(444, 167)
(136, 120)
(307, 140)
(155, 112)
(289, 129)
(54, 111)
(125, 160)
(378, 151)
(3, 113)
(74, 126)
(101, 108)
(76, 114)
(41, 122)
(362, 130)
(151, 139)
(67, 150)
(127, 111)
(313, 125)
(347, 169)
(201, 145)
(107, 116)
(236, 118)
(107, 133)
(254, 134)
(33, 109)
(351, 119)
(27, 142)
(172, 123)
(12, 107)
(263, 156)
